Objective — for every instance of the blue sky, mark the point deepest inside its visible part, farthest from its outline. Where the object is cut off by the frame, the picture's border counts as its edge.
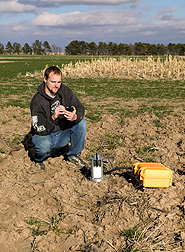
(120, 21)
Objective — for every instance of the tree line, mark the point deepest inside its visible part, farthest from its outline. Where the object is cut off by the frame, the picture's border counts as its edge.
(81, 47)
(76, 47)
(37, 48)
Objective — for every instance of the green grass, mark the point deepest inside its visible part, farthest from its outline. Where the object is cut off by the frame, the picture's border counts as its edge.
(131, 235)
(112, 141)
(128, 89)
(20, 64)
(41, 227)
(145, 149)
(17, 89)
(17, 140)
(158, 124)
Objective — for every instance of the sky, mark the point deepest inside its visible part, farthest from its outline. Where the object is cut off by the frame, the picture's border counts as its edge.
(120, 21)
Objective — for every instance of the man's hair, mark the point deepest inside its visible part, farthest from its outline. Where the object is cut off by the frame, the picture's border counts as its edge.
(53, 69)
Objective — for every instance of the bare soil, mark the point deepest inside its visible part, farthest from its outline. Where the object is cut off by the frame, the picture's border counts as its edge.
(60, 209)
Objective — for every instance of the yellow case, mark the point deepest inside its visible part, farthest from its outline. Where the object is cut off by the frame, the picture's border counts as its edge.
(153, 174)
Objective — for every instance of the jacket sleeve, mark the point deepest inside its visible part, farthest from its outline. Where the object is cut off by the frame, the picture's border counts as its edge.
(72, 100)
(40, 123)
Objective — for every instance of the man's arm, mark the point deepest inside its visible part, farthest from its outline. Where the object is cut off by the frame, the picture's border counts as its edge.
(41, 124)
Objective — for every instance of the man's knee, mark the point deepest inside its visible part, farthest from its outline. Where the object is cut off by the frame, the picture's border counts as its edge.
(42, 145)
(82, 125)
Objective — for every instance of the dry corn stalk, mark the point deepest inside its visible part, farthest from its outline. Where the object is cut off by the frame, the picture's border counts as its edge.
(149, 68)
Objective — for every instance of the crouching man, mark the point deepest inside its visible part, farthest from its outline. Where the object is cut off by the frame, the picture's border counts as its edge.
(57, 119)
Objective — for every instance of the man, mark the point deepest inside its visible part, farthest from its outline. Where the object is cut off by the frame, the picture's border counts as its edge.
(57, 119)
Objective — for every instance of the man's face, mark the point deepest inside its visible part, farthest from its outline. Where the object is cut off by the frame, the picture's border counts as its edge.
(53, 83)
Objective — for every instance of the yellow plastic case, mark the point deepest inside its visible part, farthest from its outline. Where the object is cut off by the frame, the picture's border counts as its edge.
(153, 174)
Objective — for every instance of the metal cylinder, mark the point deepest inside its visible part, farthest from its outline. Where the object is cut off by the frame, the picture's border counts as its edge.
(97, 168)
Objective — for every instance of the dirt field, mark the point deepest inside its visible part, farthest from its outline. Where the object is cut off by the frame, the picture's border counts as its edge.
(59, 209)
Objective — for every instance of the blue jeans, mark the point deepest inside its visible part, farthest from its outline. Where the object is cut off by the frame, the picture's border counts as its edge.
(75, 135)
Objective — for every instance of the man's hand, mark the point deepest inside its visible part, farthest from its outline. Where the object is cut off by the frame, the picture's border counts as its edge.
(70, 116)
(60, 110)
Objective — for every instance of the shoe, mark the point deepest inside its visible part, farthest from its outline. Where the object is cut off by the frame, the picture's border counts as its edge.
(42, 165)
(77, 160)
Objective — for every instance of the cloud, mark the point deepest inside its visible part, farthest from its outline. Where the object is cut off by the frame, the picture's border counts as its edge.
(164, 14)
(168, 10)
(116, 25)
(13, 6)
(34, 6)
(109, 25)
(91, 18)
(113, 25)
(18, 27)
(20, 32)
(55, 3)
(168, 17)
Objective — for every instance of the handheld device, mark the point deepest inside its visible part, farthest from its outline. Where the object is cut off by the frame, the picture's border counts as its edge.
(70, 109)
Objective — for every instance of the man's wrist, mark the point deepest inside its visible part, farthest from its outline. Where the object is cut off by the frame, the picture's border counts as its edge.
(75, 117)
(53, 117)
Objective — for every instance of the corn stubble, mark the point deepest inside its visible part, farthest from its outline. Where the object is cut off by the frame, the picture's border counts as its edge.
(130, 68)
